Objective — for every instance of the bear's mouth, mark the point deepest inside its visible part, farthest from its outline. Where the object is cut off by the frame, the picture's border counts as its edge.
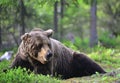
(46, 59)
(43, 60)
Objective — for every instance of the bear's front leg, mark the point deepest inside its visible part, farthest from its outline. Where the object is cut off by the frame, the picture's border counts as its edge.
(19, 62)
(42, 69)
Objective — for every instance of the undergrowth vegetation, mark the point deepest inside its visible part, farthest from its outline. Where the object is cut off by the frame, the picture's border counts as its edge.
(21, 76)
(107, 55)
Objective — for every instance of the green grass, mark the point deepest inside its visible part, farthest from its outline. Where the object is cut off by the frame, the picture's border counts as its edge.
(21, 76)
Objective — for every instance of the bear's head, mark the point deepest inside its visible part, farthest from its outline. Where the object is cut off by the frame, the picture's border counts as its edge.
(37, 45)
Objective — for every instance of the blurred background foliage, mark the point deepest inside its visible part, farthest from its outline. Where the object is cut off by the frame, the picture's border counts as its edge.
(83, 23)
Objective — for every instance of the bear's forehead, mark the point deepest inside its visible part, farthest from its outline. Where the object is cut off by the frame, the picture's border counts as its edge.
(36, 33)
(40, 37)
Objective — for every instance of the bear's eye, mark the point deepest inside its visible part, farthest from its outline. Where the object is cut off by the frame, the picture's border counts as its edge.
(36, 53)
(49, 45)
(40, 46)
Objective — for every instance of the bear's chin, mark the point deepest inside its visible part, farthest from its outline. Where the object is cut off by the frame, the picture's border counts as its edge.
(44, 62)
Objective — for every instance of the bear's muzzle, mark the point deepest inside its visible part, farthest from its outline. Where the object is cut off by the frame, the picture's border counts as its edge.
(49, 55)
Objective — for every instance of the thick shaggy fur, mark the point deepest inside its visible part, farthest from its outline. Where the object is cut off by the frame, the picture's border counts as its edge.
(64, 61)
(68, 63)
(84, 64)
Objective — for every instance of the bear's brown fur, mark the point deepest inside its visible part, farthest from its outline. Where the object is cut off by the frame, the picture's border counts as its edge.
(46, 55)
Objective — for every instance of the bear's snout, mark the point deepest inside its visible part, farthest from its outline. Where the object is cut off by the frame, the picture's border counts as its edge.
(49, 55)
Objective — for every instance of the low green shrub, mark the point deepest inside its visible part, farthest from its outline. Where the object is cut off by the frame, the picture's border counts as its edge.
(108, 41)
(21, 76)
(70, 45)
(78, 44)
(105, 55)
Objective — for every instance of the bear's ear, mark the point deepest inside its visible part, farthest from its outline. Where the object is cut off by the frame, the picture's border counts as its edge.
(25, 36)
(49, 32)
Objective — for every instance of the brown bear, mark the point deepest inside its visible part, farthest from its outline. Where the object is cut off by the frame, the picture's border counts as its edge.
(44, 55)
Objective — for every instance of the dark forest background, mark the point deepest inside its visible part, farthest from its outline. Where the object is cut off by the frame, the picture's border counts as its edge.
(86, 23)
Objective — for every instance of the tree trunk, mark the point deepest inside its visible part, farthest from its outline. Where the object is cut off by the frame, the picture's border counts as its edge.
(93, 30)
(0, 36)
(62, 2)
(56, 19)
(22, 17)
(62, 7)
(0, 29)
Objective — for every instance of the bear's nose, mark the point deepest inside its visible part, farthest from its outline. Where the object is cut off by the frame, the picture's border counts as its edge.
(48, 55)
